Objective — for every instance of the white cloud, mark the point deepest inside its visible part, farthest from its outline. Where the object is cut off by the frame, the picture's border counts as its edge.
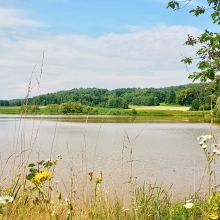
(145, 58)
(16, 18)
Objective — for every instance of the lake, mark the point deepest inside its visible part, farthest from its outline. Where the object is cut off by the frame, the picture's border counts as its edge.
(148, 149)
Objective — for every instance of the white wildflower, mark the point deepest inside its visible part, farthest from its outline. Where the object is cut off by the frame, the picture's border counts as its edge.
(204, 138)
(204, 146)
(188, 205)
(59, 156)
(2, 201)
(201, 137)
(8, 198)
(216, 152)
(215, 145)
(201, 142)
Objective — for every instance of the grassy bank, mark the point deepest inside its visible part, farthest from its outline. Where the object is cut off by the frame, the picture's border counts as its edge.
(9, 110)
(160, 108)
(152, 111)
(147, 204)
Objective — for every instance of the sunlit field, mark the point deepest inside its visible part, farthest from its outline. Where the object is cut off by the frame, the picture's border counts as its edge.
(180, 108)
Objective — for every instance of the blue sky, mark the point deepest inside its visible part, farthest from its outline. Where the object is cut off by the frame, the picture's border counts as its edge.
(93, 43)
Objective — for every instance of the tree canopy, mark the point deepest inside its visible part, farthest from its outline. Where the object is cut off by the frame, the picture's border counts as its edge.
(198, 96)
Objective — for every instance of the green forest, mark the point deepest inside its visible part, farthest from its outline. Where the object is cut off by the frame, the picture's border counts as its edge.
(198, 96)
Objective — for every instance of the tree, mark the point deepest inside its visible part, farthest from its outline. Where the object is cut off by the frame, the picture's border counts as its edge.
(195, 105)
(115, 102)
(170, 96)
(185, 97)
(209, 52)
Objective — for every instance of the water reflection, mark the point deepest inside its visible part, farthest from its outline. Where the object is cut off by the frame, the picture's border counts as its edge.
(106, 118)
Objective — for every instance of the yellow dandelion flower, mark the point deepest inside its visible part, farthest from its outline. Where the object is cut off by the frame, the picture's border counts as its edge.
(40, 177)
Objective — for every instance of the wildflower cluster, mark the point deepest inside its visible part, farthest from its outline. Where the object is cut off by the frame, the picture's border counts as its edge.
(204, 143)
(203, 140)
(98, 179)
(41, 175)
(211, 153)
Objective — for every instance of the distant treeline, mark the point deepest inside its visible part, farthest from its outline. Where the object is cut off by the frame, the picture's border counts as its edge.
(199, 96)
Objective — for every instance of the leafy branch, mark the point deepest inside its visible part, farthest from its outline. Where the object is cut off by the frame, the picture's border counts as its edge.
(209, 52)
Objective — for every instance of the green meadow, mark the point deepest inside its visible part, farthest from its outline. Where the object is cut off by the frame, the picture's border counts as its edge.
(139, 111)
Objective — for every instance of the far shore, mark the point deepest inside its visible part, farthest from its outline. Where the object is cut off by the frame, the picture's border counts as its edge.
(106, 118)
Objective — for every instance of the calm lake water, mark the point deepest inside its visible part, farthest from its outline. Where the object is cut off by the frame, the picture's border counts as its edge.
(147, 149)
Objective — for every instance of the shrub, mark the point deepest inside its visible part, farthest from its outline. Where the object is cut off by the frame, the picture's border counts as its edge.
(205, 107)
(114, 112)
(53, 107)
(29, 108)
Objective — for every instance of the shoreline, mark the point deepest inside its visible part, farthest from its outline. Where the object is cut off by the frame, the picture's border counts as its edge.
(108, 118)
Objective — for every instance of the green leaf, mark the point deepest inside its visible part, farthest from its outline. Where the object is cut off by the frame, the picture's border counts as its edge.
(199, 10)
(192, 11)
(216, 20)
(31, 165)
(173, 4)
(48, 164)
(203, 65)
(187, 60)
(30, 176)
(216, 41)
(40, 162)
(214, 15)
(211, 74)
(32, 170)
(33, 190)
